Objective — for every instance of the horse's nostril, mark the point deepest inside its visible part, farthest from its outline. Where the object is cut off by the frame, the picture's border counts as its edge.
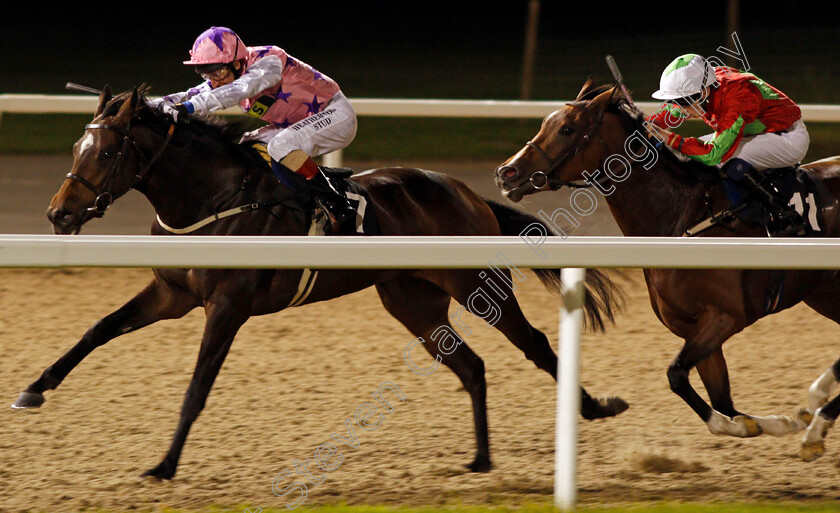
(60, 216)
(507, 173)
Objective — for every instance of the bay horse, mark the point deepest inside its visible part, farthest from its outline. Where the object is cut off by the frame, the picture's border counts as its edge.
(659, 193)
(192, 169)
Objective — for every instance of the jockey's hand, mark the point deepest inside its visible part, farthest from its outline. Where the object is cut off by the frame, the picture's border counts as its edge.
(177, 110)
(657, 134)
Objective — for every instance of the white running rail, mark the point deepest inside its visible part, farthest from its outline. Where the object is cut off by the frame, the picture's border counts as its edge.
(177, 251)
(394, 107)
(573, 254)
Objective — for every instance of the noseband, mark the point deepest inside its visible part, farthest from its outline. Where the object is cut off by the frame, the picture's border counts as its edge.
(105, 196)
(540, 180)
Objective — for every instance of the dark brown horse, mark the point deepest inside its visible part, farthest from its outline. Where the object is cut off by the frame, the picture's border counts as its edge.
(191, 169)
(652, 191)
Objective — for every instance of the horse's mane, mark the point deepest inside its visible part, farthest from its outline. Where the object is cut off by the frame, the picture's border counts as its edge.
(225, 131)
(681, 166)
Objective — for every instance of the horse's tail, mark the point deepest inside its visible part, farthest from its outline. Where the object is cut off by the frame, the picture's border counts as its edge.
(604, 298)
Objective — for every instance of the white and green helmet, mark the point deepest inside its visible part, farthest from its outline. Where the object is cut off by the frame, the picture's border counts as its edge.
(685, 76)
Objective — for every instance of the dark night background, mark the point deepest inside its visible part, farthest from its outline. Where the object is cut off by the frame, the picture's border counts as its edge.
(421, 49)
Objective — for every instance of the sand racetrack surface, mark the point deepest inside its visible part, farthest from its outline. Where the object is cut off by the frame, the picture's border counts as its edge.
(293, 378)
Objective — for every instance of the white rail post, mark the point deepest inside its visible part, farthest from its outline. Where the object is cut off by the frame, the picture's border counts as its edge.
(333, 159)
(568, 395)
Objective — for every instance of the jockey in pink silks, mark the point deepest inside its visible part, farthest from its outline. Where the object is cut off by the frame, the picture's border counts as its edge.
(306, 113)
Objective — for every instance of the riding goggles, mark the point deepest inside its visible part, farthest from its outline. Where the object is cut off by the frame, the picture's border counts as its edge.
(216, 75)
(687, 101)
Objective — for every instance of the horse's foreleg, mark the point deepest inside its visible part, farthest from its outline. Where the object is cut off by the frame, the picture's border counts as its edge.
(223, 322)
(713, 329)
(715, 378)
(157, 301)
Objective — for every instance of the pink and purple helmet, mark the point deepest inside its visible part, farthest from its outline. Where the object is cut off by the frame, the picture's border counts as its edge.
(217, 45)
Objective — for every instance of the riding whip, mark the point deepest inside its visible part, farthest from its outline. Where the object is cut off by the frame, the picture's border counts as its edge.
(617, 75)
(70, 86)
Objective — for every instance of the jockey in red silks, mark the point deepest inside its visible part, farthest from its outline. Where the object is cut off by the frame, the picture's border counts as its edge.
(756, 127)
(306, 113)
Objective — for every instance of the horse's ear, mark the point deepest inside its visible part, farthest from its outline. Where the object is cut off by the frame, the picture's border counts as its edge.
(600, 102)
(104, 98)
(129, 107)
(588, 86)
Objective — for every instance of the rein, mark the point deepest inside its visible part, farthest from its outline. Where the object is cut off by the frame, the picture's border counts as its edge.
(105, 197)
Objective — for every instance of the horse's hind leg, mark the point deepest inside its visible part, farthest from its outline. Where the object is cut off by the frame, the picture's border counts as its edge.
(825, 303)
(824, 415)
(423, 308)
(820, 390)
(502, 311)
(157, 301)
(821, 411)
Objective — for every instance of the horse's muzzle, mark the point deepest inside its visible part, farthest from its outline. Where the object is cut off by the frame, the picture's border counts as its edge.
(508, 181)
(63, 220)
(506, 174)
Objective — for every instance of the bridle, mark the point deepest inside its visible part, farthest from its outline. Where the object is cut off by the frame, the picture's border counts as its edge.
(104, 193)
(541, 180)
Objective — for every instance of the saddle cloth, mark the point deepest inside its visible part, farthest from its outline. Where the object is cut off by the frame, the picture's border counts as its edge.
(796, 187)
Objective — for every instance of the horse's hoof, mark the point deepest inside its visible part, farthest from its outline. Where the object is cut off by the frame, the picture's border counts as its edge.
(612, 406)
(480, 464)
(28, 400)
(811, 450)
(805, 416)
(602, 407)
(749, 423)
(164, 471)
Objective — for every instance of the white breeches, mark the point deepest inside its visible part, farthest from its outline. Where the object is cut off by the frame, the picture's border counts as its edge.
(773, 150)
(331, 129)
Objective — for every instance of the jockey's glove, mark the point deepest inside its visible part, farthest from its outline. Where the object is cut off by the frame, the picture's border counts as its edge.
(178, 110)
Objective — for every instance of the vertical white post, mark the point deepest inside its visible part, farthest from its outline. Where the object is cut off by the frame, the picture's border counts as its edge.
(568, 394)
(333, 159)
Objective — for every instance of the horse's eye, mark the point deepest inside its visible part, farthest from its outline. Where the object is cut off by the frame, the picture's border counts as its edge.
(567, 130)
(105, 155)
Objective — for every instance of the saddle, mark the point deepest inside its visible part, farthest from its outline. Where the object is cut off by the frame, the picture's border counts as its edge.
(364, 222)
(795, 186)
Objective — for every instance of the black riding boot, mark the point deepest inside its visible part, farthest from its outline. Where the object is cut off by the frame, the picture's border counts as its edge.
(335, 205)
(784, 219)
